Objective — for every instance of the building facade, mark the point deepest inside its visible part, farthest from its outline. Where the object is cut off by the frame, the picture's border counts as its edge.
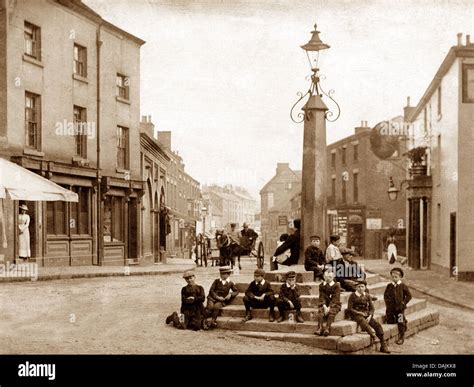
(183, 203)
(441, 211)
(359, 210)
(230, 204)
(155, 220)
(69, 111)
(275, 207)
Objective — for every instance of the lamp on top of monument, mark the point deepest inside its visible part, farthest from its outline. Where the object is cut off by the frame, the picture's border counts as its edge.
(315, 50)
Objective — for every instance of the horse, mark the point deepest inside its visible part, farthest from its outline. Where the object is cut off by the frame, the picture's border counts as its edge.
(229, 249)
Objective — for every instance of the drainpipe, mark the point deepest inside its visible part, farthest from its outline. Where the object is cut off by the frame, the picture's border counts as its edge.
(100, 236)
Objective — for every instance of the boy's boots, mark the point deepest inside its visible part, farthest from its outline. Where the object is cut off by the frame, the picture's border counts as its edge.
(319, 329)
(272, 315)
(282, 316)
(299, 317)
(383, 345)
(248, 316)
(401, 333)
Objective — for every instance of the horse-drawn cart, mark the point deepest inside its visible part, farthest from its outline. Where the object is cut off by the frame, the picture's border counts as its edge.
(228, 250)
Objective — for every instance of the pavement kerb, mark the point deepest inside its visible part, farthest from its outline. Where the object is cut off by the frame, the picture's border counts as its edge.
(423, 291)
(54, 277)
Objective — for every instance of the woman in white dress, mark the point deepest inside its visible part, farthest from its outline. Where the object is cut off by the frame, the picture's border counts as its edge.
(391, 250)
(24, 234)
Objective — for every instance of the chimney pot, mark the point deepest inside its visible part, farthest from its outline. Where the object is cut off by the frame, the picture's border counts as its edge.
(408, 101)
(468, 40)
(149, 118)
(459, 39)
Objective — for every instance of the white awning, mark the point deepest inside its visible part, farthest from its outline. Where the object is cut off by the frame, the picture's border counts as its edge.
(19, 183)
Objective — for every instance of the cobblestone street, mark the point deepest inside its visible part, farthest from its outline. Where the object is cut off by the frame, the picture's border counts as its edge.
(120, 315)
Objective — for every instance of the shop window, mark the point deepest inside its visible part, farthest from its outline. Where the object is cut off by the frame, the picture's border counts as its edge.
(113, 219)
(80, 215)
(56, 218)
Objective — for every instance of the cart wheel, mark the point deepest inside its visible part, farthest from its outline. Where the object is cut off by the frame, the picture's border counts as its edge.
(260, 256)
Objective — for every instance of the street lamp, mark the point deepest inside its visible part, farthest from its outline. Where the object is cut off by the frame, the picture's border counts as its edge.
(314, 50)
(314, 173)
(393, 191)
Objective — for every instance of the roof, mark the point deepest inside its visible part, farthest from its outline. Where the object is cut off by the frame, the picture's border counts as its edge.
(454, 52)
(298, 177)
(80, 7)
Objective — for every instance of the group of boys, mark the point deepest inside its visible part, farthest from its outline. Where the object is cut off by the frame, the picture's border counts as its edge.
(193, 315)
(347, 271)
(260, 295)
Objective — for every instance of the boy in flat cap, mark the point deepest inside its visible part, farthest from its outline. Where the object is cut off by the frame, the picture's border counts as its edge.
(361, 309)
(348, 271)
(222, 292)
(192, 305)
(332, 252)
(289, 298)
(397, 296)
(314, 258)
(329, 302)
(259, 295)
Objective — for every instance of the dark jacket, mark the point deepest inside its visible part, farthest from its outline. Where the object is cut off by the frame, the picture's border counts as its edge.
(196, 305)
(257, 290)
(396, 297)
(313, 256)
(330, 295)
(288, 294)
(292, 243)
(248, 237)
(220, 290)
(360, 306)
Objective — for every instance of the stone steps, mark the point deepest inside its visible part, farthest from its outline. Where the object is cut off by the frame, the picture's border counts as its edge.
(342, 327)
(357, 342)
(345, 336)
(305, 288)
(311, 300)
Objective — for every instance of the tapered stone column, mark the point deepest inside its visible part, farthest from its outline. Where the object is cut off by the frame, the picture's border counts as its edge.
(314, 174)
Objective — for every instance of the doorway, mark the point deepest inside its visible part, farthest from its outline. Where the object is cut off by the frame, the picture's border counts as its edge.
(452, 244)
(133, 230)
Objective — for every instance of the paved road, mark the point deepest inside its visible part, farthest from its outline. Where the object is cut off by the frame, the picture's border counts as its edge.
(126, 315)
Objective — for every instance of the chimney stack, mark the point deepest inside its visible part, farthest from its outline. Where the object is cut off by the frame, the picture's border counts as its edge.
(468, 40)
(165, 139)
(459, 39)
(408, 110)
(282, 167)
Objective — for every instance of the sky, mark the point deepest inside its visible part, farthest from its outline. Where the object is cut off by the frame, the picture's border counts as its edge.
(222, 75)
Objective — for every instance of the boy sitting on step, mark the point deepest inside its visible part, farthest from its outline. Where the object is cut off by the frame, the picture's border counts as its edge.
(259, 295)
(314, 258)
(397, 296)
(361, 309)
(329, 302)
(192, 306)
(289, 298)
(222, 292)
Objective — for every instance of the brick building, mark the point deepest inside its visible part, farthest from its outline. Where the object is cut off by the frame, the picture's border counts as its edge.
(182, 200)
(69, 111)
(230, 204)
(275, 207)
(359, 209)
(154, 166)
